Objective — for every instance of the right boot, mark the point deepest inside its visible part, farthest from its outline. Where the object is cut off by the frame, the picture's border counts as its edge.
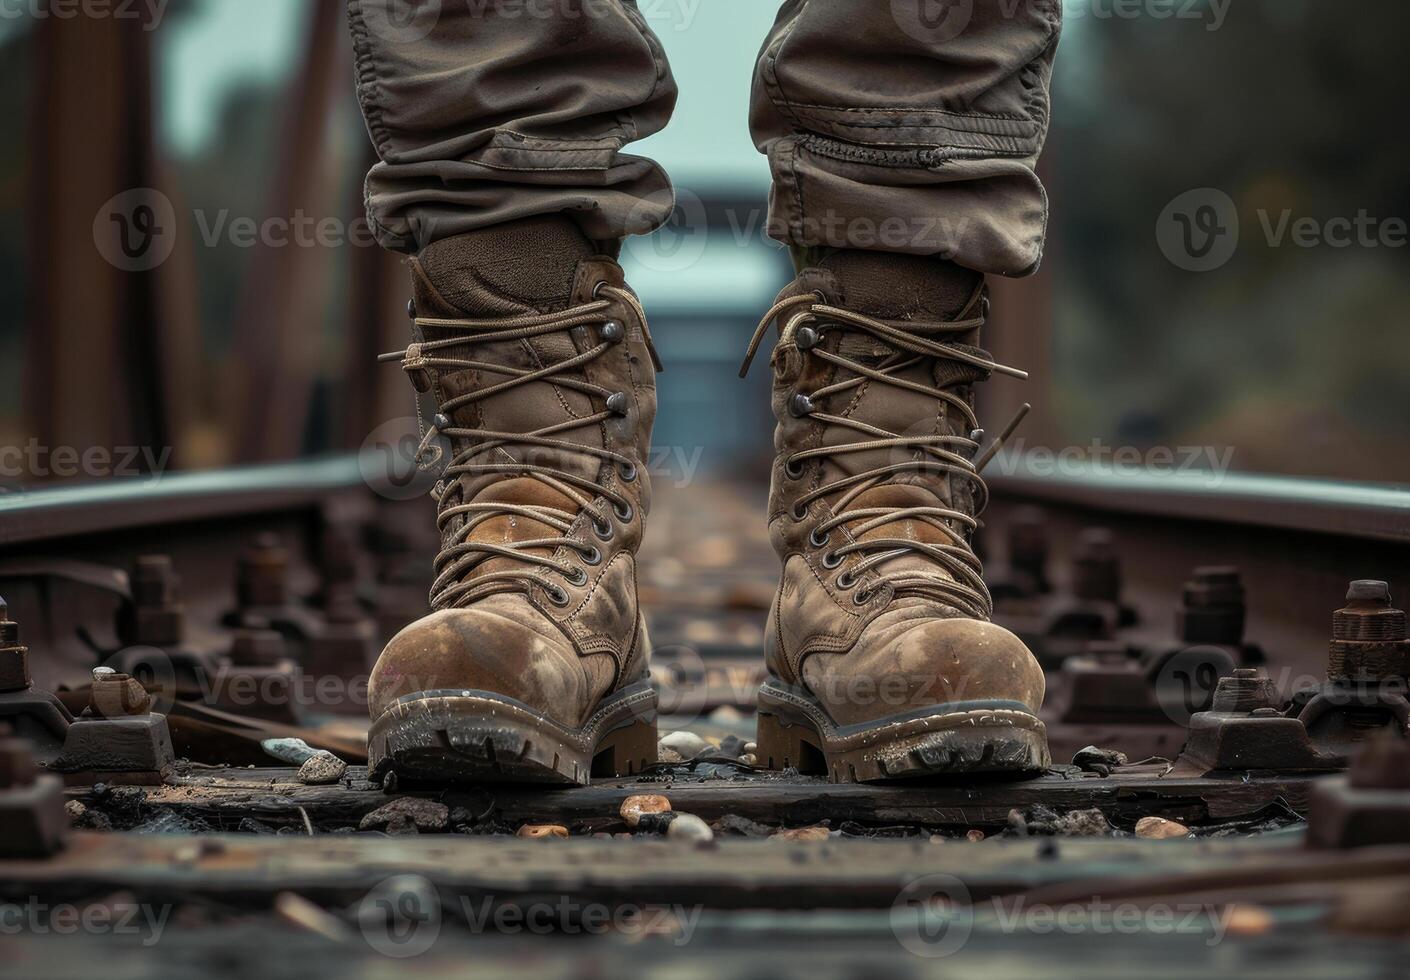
(532, 666)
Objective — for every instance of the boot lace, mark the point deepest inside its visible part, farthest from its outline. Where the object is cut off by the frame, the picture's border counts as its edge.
(958, 577)
(460, 554)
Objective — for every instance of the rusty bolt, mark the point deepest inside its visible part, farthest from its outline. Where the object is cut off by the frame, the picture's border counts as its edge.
(1214, 607)
(14, 657)
(16, 764)
(1028, 545)
(155, 617)
(1245, 690)
(338, 553)
(154, 583)
(1370, 639)
(9, 630)
(117, 695)
(1096, 566)
(257, 648)
(1384, 763)
(262, 576)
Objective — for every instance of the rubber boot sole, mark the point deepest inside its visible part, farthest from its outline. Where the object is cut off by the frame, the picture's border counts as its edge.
(946, 739)
(468, 736)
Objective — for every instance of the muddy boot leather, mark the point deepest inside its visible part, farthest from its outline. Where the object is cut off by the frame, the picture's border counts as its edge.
(881, 656)
(536, 373)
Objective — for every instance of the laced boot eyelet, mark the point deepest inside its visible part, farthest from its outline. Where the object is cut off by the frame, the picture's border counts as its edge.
(830, 561)
(817, 539)
(592, 556)
(576, 576)
(604, 531)
(624, 512)
(800, 406)
(846, 580)
(411, 309)
(556, 595)
(792, 469)
(862, 596)
(800, 512)
(627, 472)
(597, 290)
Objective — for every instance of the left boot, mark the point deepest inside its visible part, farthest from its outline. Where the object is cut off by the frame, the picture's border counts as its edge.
(882, 660)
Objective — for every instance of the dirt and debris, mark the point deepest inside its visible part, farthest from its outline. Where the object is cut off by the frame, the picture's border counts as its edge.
(1041, 821)
(1100, 761)
(408, 815)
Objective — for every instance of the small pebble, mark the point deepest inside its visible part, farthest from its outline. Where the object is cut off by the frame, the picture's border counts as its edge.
(687, 744)
(411, 811)
(751, 746)
(689, 827)
(294, 751)
(1158, 828)
(804, 833)
(322, 769)
(1248, 920)
(634, 806)
(75, 809)
(974, 836)
(539, 831)
(749, 759)
(668, 755)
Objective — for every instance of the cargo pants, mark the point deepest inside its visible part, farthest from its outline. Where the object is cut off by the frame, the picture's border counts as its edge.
(895, 125)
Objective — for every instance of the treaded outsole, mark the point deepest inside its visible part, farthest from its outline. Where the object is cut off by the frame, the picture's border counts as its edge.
(796, 733)
(482, 737)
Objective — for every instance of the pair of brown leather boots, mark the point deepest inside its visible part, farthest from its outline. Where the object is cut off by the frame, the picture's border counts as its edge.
(537, 361)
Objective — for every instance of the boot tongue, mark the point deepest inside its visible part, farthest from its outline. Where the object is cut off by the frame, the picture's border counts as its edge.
(899, 289)
(519, 269)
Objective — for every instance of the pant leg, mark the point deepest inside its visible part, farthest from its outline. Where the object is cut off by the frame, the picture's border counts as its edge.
(484, 111)
(909, 126)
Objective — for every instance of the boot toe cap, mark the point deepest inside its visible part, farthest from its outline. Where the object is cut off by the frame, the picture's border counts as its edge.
(507, 648)
(900, 667)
